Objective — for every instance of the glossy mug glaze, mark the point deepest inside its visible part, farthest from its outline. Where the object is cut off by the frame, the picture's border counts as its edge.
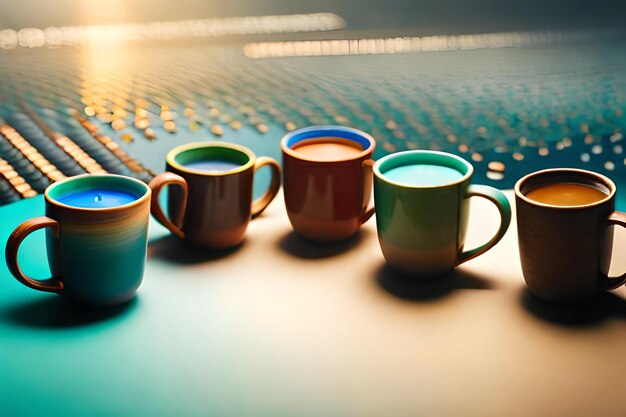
(565, 241)
(327, 180)
(422, 211)
(96, 252)
(212, 205)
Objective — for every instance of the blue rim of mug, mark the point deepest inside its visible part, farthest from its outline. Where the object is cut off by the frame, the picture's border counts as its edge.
(383, 177)
(343, 132)
(610, 185)
(83, 177)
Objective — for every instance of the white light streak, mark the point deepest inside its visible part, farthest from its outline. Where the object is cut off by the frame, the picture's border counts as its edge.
(405, 45)
(183, 29)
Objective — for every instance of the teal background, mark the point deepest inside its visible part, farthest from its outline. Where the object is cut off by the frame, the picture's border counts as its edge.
(527, 108)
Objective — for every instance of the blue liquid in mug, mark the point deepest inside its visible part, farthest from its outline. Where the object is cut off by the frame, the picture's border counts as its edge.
(423, 175)
(97, 198)
(212, 166)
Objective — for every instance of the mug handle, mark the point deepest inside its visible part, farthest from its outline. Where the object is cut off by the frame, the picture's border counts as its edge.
(157, 184)
(262, 202)
(368, 177)
(504, 207)
(54, 284)
(617, 218)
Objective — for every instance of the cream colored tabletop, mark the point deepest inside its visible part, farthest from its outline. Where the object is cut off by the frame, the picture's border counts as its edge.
(312, 329)
(284, 327)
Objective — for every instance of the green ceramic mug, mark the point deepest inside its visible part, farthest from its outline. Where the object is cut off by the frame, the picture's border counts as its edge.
(96, 239)
(422, 211)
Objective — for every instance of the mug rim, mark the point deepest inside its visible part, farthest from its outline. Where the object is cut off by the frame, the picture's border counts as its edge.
(383, 177)
(170, 158)
(604, 178)
(322, 128)
(140, 200)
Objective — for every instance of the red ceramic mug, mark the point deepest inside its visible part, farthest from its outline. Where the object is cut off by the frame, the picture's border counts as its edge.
(327, 181)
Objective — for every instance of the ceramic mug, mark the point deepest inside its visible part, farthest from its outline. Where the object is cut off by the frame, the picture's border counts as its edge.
(212, 205)
(565, 242)
(327, 181)
(96, 236)
(422, 211)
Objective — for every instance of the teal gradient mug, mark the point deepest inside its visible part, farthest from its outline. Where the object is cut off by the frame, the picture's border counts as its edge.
(422, 211)
(96, 239)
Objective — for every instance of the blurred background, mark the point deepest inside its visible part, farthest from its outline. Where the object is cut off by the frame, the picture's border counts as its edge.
(93, 85)
(422, 16)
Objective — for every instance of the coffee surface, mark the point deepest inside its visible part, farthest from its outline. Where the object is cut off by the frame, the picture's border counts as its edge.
(98, 198)
(423, 175)
(212, 166)
(327, 149)
(566, 194)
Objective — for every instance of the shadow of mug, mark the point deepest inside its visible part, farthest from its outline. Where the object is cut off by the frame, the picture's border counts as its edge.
(408, 288)
(300, 247)
(52, 312)
(601, 308)
(169, 248)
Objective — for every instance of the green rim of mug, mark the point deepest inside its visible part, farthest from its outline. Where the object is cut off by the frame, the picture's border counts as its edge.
(175, 152)
(119, 182)
(608, 182)
(403, 158)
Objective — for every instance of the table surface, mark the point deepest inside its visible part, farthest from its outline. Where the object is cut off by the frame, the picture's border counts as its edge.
(281, 326)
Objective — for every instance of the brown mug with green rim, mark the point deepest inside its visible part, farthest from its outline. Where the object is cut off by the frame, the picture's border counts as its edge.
(211, 204)
(565, 242)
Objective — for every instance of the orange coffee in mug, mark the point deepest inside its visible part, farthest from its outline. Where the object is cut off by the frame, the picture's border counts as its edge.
(327, 149)
(566, 194)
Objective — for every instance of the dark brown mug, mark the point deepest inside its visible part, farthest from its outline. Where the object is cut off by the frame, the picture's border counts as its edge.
(565, 241)
(327, 181)
(212, 205)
